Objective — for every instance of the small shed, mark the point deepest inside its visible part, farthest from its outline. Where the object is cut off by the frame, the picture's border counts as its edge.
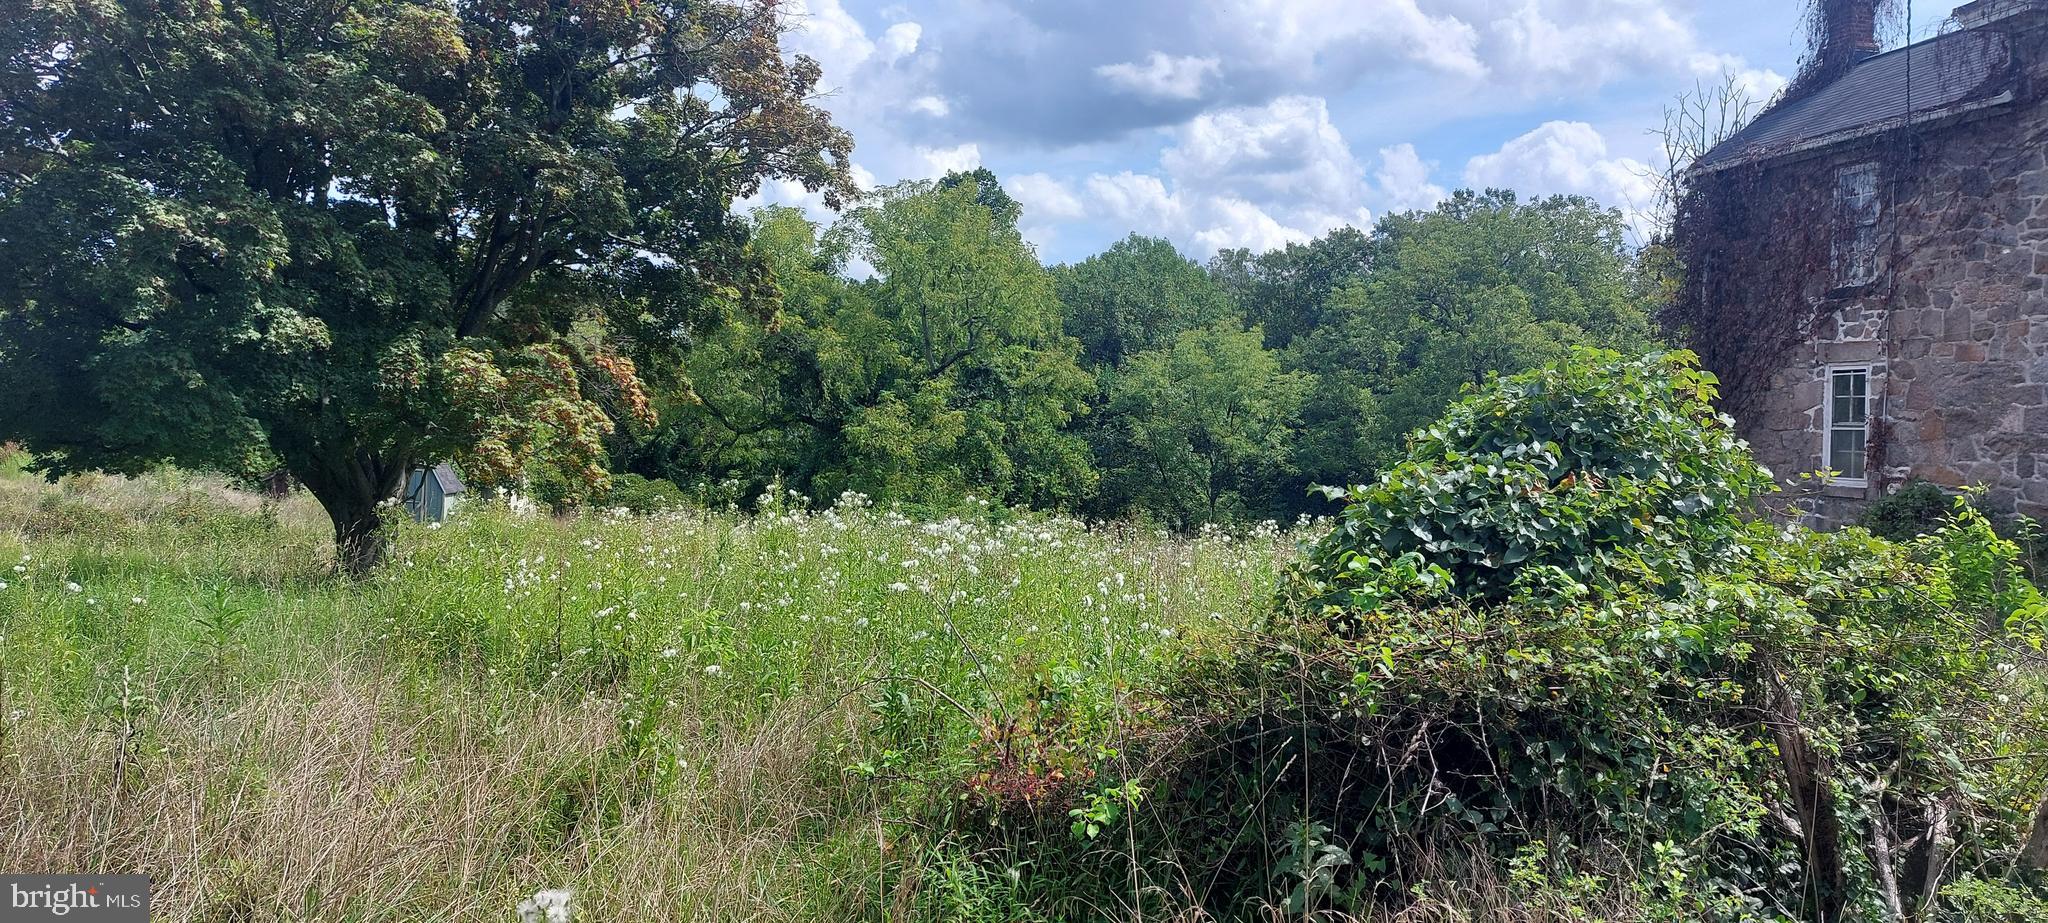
(431, 494)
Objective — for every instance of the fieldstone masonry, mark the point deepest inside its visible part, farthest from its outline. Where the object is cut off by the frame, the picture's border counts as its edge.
(1954, 327)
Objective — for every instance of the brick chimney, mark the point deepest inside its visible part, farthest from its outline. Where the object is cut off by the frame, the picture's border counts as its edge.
(1852, 29)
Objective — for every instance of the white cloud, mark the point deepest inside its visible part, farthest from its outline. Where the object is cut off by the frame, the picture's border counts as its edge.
(1303, 35)
(1162, 76)
(1570, 158)
(1045, 198)
(1403, 180)
(1254, 176)
(826, 31)
(900, 40)
(942, 160)
(934, 106)
(1760, 84)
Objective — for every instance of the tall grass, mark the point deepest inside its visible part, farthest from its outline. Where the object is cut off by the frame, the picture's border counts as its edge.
(692, 716)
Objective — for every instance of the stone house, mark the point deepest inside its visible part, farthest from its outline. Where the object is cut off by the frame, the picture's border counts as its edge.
(1866, 264)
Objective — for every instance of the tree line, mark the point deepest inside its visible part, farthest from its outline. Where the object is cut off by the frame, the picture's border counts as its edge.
(1136, 382)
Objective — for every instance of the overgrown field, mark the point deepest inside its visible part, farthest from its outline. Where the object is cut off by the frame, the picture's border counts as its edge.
(1551, 668)
(693, 716)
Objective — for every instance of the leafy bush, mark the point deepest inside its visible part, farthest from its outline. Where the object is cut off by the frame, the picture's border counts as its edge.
(1915, 509)
(1550, 650)
(1593, 469)
(643, 495)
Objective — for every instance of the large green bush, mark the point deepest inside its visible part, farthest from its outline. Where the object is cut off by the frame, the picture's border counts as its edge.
(1552, 661)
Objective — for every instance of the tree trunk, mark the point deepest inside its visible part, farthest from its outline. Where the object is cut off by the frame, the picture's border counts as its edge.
(1813, 795)
(358, 542)
(351, 490)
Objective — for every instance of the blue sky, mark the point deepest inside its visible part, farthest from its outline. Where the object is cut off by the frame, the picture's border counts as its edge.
(1227, 123)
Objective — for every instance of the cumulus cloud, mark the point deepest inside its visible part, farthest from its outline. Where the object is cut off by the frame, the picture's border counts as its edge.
(1568, 158)
(1044, 197)
(957, 159)
(1257, 176)
(900, 40)
(1403, 180)
(1162, 75)
(1217, 122)
(1759, 84)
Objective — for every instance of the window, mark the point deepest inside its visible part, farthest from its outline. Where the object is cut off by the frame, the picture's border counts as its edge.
(1856, 213)
(1848, 423)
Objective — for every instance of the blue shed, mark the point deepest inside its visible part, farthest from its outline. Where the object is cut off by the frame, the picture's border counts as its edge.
(433, 493)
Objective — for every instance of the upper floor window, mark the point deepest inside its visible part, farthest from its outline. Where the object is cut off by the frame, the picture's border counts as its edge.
(1848, 422)
(1856, 214)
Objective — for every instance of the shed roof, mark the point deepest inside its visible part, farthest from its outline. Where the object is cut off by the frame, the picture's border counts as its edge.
(444, 475)
(1945, 73)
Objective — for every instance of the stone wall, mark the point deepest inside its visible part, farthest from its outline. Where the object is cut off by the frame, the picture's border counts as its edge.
(1954, 327)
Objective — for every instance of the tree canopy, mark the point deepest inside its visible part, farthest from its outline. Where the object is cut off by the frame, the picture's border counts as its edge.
(351, 238)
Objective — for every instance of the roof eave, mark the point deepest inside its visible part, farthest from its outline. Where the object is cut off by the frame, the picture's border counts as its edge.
(1823, 142)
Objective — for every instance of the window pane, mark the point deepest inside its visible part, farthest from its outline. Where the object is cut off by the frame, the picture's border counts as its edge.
(1845, 454)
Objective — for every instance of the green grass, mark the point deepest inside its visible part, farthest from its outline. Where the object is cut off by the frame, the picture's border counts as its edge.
(692, 716)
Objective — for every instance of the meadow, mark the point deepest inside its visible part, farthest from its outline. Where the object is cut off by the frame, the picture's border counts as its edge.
(692, 716)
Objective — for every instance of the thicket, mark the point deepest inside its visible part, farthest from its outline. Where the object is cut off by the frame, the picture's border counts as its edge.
(1549, 667)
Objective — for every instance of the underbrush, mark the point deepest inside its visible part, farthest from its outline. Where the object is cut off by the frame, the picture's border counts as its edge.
(1547, 669)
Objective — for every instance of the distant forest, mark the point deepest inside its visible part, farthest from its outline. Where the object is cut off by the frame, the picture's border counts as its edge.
(1137, 383)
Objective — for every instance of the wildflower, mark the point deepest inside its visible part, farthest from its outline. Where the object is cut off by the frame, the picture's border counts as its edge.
(669, 653)
(3, 584)
(133, 599)
(897, 587)
(548, 905)
(73, 586)
(713, 670)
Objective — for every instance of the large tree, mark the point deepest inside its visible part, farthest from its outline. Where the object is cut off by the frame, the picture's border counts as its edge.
(352, 236)
(1484, 285)
(1136, 296)
(1202, 430)
(944, 373)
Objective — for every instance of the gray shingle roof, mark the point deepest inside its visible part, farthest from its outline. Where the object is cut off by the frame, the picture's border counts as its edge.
(444, 474)
(1943, 73)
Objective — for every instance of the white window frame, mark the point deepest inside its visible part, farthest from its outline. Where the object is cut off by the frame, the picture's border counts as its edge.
(1828, 428)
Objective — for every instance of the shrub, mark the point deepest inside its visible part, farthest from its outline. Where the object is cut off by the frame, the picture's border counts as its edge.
(1591, 469)
(1550, 650)
(1915, 509)
(643, 495)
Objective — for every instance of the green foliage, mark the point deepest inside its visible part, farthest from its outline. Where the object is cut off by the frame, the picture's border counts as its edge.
(1485, 285)
(636, 494)
(1917, 508)
(946, 375)
(1656, 710)
(1202, 431)
(350, 238)
(1138, 295)
(1586, 471)
(1286, 291)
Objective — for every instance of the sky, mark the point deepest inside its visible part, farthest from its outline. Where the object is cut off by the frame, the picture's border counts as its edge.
(1256, 123)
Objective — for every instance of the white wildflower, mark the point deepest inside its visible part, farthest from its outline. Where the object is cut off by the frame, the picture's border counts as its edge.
(669, 653)
(548, 905)
(713, 670)
(73, 586)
